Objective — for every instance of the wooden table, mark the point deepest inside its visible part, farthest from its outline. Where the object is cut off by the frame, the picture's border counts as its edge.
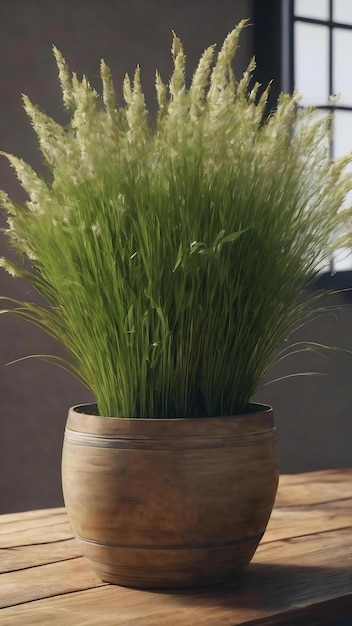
(301, 573)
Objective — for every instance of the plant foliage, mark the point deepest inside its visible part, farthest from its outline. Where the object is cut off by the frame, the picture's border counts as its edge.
(173, 253)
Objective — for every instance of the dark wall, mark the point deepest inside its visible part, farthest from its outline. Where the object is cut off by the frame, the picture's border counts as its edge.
(34, 396)
(313, 412)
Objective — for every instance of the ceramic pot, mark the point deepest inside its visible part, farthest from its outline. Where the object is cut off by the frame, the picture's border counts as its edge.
(162, 503)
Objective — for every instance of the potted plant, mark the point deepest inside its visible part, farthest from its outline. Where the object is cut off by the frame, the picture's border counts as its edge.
(173, 254)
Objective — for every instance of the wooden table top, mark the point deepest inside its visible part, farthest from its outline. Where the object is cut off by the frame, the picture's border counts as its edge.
(301, 573)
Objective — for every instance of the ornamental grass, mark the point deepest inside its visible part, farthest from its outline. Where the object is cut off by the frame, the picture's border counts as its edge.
(173, 252)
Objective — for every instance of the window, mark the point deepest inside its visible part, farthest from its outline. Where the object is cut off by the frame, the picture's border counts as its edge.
(319, 61)
(307, 45)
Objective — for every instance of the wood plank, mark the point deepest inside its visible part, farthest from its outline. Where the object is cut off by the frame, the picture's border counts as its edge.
(15, 522)
(46, 581)
(8, 519)
(34, 527)
(330, 549)
(339, 476)
(287, 522)
(116, 606)
(314, 487)
(287, 583)
(40, 535)
(13, 559)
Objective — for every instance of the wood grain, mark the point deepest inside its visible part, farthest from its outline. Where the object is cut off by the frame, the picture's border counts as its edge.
(294, 521)
(314, 487)
(34, 527)
(12, 522)
(46, 581)
(301, 574)
(23, 557)
(46, 533)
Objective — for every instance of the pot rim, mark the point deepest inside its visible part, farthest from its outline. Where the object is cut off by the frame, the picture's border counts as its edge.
(254, 408)
(180, 431)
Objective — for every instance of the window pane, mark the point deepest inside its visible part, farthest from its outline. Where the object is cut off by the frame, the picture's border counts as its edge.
(342, 11)
(342, 54)
(342, 260)
(342, 130)
(312, 62)
(318, 9)
(342, 140)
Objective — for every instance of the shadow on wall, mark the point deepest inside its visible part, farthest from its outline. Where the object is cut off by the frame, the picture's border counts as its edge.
(35, 396)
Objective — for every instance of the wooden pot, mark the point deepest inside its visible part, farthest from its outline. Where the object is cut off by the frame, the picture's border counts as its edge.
(172, 502)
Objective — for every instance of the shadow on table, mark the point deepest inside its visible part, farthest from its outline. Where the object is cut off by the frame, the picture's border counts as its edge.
(290, 592)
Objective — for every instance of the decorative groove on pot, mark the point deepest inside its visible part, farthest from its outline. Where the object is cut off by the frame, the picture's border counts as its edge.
(216, 545)
(152, 443)
(179, 567)
(169, 503)
(141, 579)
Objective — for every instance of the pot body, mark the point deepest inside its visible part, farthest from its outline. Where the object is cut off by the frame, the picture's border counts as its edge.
(169, 503)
